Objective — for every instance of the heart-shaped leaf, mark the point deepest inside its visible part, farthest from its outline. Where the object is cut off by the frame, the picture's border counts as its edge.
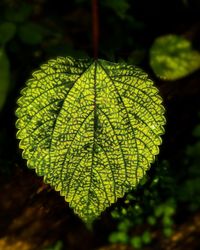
(172, 57)
(91, 128)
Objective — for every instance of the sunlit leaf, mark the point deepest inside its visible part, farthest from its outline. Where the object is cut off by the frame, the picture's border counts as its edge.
(4, 76)
(91, 128)
(172, 57)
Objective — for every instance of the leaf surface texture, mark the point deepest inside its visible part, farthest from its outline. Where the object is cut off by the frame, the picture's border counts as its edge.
(91, 128)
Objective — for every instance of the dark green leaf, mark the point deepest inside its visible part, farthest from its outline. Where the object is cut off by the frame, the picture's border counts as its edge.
(18, 14)
(31, 33)
(7, 32)
(4, 77)
(120, 7)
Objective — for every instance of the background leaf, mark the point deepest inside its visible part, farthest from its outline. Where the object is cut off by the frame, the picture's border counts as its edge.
(91, 129)
(120, 7)
(172, 57)
(18, 13)
(31, 33)
(4, 76)
(7, 32)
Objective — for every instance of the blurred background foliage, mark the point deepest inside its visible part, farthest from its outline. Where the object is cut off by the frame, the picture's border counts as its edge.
(162, 194)
(161, 212)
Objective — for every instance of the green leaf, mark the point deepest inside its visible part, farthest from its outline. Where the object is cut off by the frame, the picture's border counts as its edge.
(57, 246)
(4, 76)
(136, 242)
(146, 237)
(196, 131)
(7, 31)
(172, 57)
(18, 14)
(118, 237)
(31, 33)
(168, 231)
(151, 220)
(124, 225)
(120, 7)
(91, 128)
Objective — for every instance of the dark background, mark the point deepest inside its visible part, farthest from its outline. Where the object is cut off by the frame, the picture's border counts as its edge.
(32, 215)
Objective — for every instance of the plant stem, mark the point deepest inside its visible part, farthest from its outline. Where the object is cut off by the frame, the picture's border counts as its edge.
(95, 28)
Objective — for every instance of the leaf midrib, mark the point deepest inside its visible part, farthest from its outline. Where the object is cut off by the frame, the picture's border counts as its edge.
(132, 129)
